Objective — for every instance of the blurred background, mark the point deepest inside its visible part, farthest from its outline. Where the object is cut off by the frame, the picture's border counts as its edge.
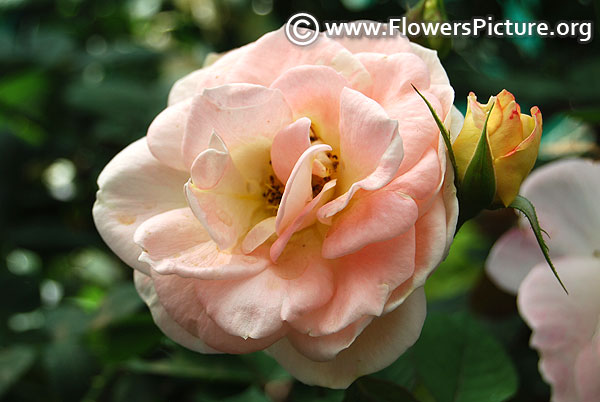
(79, 80)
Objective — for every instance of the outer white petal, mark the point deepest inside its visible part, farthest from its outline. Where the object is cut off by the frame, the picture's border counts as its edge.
(511, 259)
(134, 186)
(566, 194)
(378, 346)
(563, 324)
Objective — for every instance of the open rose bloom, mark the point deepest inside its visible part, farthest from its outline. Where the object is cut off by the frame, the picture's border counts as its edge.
(291, 199)
(566, 327)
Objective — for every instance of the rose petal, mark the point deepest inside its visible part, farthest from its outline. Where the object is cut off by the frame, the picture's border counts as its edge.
(378, 216)
(392, 75)
(366, 135)
(565, 194)
(327, 347)
(436, 70)
(288, 145)
(175, 242)
(322, 106)
(512, 257)
(306, 217)
(257, 307)
(222, 200)
(180, 299)
(587, 371)
(165, 134)
(433, 236)
(365, 163)
(379, 345)
(417, 128)
(242, 114)
(134, 186)
(562, 324)
(363, 282)
(167, 325)
(259, 234)
(298, 189)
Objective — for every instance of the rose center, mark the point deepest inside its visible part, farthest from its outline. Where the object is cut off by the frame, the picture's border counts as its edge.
(273, 191)
(324, 167)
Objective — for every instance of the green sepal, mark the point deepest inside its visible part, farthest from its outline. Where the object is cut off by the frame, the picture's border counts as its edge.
(478, 186)
(525, 206)
(445, 134)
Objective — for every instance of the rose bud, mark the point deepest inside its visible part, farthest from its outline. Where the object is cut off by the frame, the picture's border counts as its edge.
(513, 140)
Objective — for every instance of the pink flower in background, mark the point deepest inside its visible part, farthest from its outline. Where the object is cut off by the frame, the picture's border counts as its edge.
(292, 199)
(566, 328)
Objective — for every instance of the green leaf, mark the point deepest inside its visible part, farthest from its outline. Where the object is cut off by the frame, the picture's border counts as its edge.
(265, 367)
(401, 372)
(121, 302)
(444, 131)
(252, 394)
(525, 206)
(369, 389)
(192, 365)
(478, 187)
(14, 362)
(457, 360)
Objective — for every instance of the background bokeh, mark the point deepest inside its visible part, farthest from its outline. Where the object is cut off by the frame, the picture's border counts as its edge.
(79, 80)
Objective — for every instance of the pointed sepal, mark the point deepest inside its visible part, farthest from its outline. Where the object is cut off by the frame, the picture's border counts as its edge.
(525, 206)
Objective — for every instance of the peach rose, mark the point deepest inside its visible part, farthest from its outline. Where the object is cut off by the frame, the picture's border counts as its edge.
(292, 199)
(566, 327)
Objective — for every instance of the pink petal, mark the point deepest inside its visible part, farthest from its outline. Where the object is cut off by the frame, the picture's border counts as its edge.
(363, 282)
(366, 135)
(436, 70)
(380, 344)
(180, 299)
(175, 242)
(327, 347)
(305, 218)
(288, 145)
(167, 325)
(378, 216)
(364, 129)
(512, 257)
(134, 186)
(314, 92)
(221, 198)
(423, 180)
(415, 125)
(257, 307)
(298, 189)
(259, 234)
(274, 54)
(165, 134)
(392, 75)
(241, 114)
(378, 179)
(433, 236)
